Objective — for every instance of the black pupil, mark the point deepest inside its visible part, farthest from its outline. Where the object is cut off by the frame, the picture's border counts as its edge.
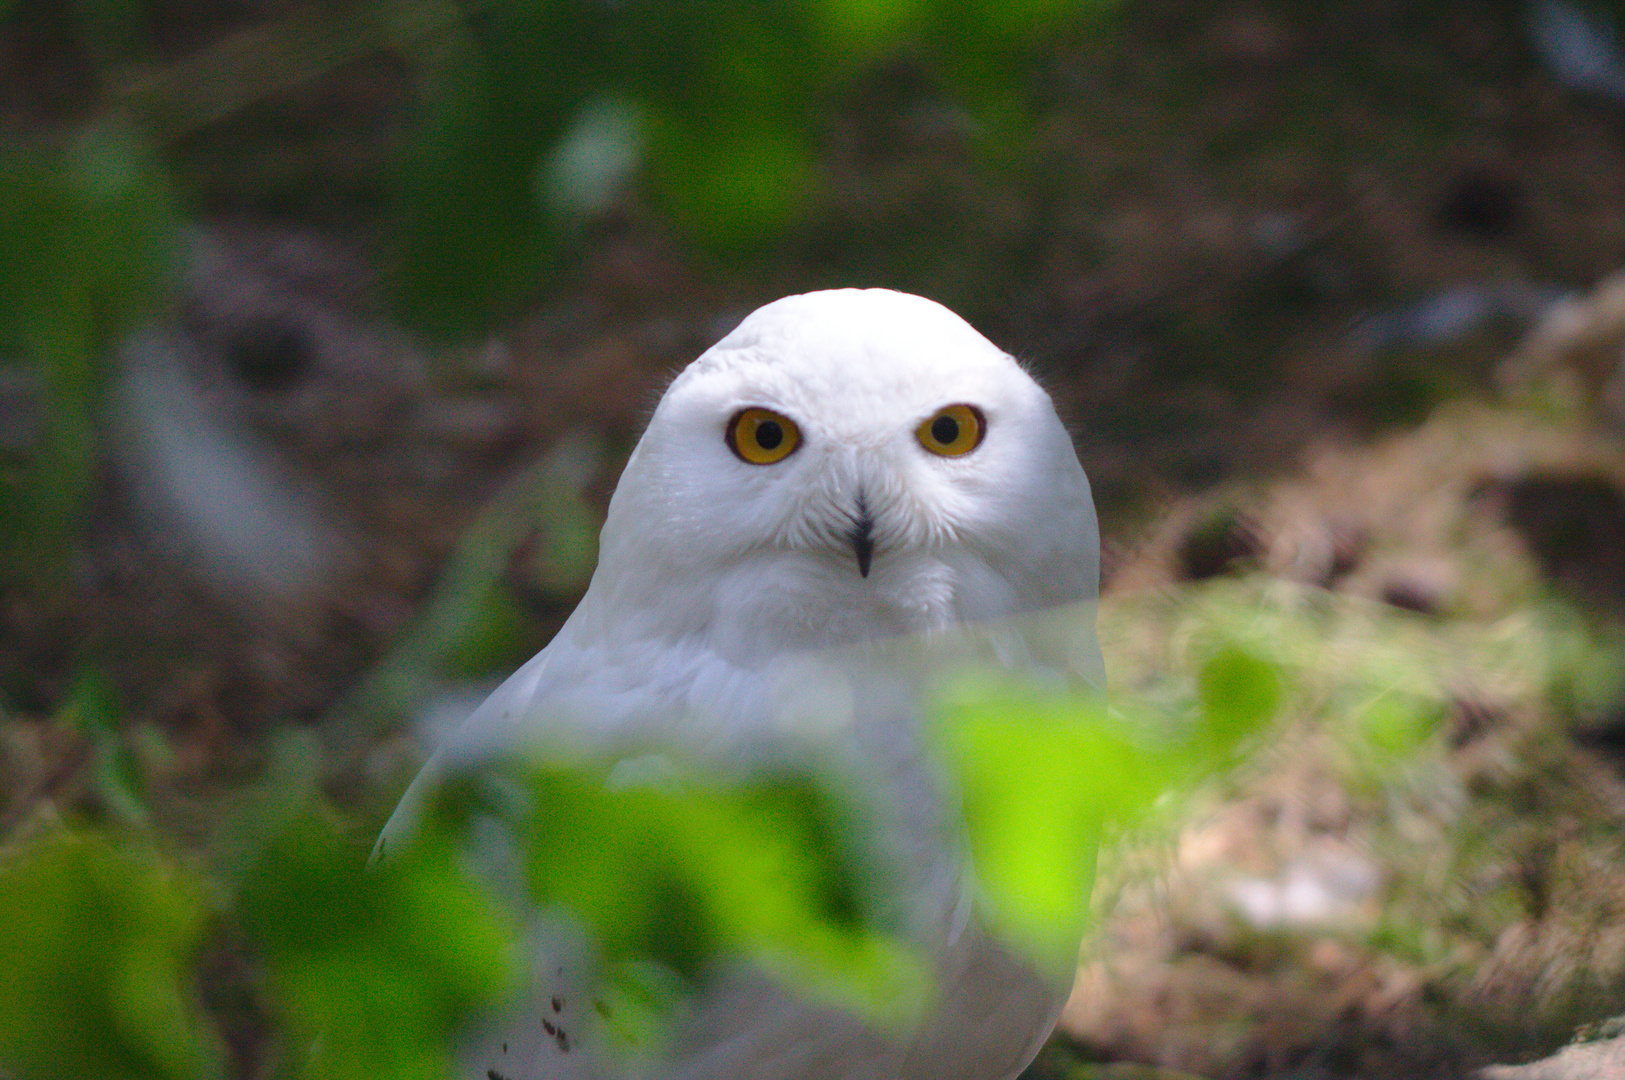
(945, 429)
(769, 434)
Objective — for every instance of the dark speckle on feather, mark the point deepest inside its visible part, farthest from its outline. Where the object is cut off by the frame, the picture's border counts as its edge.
(558, 1035)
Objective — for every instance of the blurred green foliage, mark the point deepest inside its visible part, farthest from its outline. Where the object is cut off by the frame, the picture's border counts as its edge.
(1587, 679)
(679, 871)
(681, 868)
(530, 118)
(97, 950)
(366, 974)
(720, 103)
(1044, 777)
(92, 709)
(369, 972)
(87, 245)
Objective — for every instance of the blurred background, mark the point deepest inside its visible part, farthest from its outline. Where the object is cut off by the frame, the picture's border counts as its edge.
(325, 328)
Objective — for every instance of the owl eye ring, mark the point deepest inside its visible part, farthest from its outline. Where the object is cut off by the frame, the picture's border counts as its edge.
(760, 436)
(952, 431)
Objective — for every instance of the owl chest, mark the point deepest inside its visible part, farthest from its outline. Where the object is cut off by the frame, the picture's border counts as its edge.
(811, 601)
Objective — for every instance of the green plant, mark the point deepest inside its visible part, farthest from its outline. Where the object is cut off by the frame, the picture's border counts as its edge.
(369, 972)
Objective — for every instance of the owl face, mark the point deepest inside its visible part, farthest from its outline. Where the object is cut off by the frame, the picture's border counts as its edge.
(851, 463)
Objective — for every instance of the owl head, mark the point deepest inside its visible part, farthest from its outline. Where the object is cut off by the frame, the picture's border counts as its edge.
(844, 465)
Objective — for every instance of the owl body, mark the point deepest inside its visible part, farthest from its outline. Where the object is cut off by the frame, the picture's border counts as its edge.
(845, 471)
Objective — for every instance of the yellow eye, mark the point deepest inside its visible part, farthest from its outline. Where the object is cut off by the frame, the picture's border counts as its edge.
(762, 437)
(953, 430)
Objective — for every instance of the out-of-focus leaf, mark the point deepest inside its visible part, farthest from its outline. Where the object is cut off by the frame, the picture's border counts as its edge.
(500, 169)
(371, 970)
(1043, 777)
(994, 28)
(498, 627)
(1033, 823)
(96, 953)
(92, 228)
(86, 247)
(735, 181)
(680, 872)
(469, 232)
(1394, 726)
(92, 708)
(637, 999)
(252, 816)
(1584, 676)
(867, 28)
(1237, 691)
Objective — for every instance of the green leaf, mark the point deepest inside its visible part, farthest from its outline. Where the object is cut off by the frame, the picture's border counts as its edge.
(87, 247)
(470, 234)
(1395, 725)
(1037, 779)
(683, 871)
(92, 708)
(1238, 691)
(372, 970)
(868, 27)
(734, 181)
(1043, 776)
(97, 955)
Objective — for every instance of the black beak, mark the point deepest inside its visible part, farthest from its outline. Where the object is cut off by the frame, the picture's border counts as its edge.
(863, 544)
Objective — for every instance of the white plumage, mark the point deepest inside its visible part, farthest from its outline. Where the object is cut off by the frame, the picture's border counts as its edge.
(844, 467)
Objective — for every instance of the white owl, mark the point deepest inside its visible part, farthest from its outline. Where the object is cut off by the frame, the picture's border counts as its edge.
(845, 467)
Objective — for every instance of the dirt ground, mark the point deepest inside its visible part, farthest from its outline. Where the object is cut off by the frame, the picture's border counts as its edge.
(1243, 254)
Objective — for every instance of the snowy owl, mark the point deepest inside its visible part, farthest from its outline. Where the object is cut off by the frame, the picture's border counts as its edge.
(845, 469)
